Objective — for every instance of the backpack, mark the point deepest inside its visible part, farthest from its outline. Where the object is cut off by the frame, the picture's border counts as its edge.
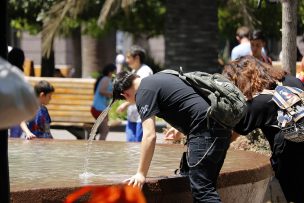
(227, 103)
(290, 113)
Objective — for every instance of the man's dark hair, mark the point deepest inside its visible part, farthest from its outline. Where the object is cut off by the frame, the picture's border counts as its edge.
(43, 86)
(257, 35)
(122, 82)
(136, 50)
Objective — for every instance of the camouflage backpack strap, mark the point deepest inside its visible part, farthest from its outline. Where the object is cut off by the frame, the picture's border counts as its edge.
(179, 73)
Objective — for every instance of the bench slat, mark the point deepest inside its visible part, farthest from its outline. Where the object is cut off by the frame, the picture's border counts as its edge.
(67, 124)
(68, 107)
(80, 90)
(62, 80)
(72, 97)
(73, 119)
(70, 113)
(71, 102)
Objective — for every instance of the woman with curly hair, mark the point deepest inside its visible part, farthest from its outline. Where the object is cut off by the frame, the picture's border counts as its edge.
(252, 76)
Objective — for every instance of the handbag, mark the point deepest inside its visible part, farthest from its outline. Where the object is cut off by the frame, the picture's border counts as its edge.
(18, 101)
(294, 133)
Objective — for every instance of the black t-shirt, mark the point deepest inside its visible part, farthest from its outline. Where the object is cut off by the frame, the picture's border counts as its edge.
(262, 113)
(168, 97)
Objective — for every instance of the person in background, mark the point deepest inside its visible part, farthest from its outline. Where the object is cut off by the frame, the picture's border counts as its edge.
(169, 97)
(243, 49)
(135, 60)
(57, 73)
(257, 42)
(252, 77)
(39, 126)
(300, 50)
(102, 94)
(16, 57)
(119, 61)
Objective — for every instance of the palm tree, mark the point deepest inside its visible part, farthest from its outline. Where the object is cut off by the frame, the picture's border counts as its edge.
(191, 35)
(93, 56)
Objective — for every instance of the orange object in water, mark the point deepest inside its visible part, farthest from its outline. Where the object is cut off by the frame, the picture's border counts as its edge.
(108, 194)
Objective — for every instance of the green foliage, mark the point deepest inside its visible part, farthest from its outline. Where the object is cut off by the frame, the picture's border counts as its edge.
(143, 17)
(301, 17)
(68, 25)
(235, 13)
(90, 27)
(27, 15)
(113, 115)
(88, 19)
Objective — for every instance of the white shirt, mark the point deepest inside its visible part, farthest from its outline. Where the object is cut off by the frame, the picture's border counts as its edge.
(142, 72)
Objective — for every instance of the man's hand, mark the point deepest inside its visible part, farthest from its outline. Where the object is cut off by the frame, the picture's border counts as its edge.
(173, 134)
(137, 180)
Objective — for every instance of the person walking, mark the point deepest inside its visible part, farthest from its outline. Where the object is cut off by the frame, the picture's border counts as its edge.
(257, 44)
(243, 49)
(135, 60)
(16, 57)
(168, 97)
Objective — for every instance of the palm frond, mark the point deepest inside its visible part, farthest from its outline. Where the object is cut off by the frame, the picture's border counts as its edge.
(111, 7)
(55, 16)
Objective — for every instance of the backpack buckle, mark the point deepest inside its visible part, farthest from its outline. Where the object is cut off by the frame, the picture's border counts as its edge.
(181, 72)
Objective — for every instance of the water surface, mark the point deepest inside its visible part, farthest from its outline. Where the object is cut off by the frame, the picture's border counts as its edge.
(53, 163)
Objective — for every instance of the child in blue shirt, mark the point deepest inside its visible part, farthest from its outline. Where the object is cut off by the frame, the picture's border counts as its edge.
(40, 124)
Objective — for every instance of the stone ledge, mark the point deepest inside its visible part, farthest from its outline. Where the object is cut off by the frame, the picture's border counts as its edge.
(245, 175)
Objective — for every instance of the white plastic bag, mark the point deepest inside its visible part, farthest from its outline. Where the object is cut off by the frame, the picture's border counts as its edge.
(18, 101)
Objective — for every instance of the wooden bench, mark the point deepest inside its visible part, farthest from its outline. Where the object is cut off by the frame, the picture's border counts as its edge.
(71, 103)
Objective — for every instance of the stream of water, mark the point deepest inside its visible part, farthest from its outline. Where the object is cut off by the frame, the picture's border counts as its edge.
(86, 174)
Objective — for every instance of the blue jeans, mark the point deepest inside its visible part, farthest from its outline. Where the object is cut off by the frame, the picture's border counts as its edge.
(206, 154)
(134, 131)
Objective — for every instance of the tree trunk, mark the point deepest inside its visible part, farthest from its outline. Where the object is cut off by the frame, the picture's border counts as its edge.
(76, 44)
(191, 35)
(289, 34)
(90, 55)
(4, 167)
(96, 53)
(48, 65)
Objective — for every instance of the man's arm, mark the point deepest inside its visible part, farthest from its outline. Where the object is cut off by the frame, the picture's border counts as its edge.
(147, 151)
(122, 107)
(147, 146)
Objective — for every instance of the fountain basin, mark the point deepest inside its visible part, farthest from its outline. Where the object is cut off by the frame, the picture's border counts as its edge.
(48, 170)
